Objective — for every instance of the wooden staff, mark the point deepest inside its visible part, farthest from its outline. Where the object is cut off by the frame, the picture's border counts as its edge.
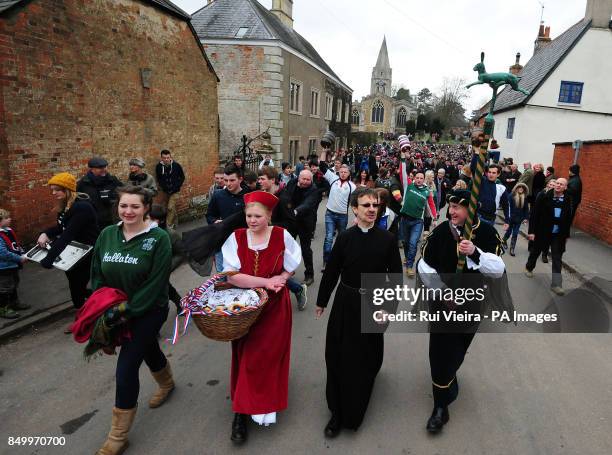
(475, 190)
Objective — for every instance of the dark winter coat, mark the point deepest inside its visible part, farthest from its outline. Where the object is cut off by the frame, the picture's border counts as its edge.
(170, 178)
(574, 188)
(102, 192)
(305, 201)
(79, 223)
(542, 219)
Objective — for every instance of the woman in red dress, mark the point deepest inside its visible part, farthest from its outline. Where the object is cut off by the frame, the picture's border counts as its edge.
(266, 256)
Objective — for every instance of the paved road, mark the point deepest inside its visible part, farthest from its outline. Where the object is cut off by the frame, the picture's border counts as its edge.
(520, 394)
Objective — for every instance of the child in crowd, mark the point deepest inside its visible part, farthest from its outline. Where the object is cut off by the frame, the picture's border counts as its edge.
(11, 260)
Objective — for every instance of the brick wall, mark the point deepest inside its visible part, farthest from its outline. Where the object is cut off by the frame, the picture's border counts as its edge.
(70, 88)
(595, 212)
(241, 92)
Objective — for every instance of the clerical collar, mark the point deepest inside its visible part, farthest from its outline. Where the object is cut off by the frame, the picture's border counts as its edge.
(365, 230)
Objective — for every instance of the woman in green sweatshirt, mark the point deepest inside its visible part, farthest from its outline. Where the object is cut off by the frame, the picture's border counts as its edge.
(135, 256)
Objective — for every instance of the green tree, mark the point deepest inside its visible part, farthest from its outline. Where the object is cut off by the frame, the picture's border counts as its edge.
(402, 94)
(424, 100)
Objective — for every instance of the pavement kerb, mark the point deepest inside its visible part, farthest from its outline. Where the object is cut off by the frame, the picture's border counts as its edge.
(53, 313)
(583, 276)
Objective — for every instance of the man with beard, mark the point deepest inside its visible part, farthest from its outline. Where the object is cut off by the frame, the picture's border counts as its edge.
(353, 358)
(449, 342)
(101, 187)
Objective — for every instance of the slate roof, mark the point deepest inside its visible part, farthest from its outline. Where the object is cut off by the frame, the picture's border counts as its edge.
(222, 19)
(541, 65)
(163, 4)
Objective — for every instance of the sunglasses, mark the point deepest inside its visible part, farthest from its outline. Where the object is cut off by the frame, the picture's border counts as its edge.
(368, 205)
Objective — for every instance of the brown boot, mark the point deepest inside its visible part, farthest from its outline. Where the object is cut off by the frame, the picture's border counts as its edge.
(164, 379)
(117, 440)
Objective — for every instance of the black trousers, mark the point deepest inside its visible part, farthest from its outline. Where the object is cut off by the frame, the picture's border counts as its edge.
(446, 354)
(305, 234)
(78, 278)
(557, 247)
(142, 346)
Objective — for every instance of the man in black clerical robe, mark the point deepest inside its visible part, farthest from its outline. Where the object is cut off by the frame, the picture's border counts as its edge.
(449, 341)
(353, 358)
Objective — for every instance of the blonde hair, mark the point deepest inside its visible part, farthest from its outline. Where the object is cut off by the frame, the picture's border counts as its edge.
(519, 198)
(258, 204)
(429, 179)
(4, 214)
(460, 185)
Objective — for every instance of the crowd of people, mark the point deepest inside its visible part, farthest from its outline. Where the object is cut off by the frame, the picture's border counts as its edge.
(395, 192)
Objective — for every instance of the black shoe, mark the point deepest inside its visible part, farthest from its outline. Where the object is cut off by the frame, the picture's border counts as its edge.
(239, 429)
(545, 258)
(308, 280)
(512, 251)
(438, 418)
(333, 427)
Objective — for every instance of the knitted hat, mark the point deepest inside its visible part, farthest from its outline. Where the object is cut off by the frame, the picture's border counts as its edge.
(137, 162)
(328, 139)
(63, 179)
(404, 142)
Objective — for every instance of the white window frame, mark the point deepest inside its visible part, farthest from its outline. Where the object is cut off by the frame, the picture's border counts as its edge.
(510, 127)
(347, 113)
(329, 106)
(339, 110)
(315, 108)
(355, 111)
(297, 101)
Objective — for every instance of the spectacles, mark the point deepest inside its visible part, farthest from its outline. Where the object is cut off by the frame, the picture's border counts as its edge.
(368, 205)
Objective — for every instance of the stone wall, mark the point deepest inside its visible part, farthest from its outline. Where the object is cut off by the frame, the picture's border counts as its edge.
(71, 88)
(595, 211)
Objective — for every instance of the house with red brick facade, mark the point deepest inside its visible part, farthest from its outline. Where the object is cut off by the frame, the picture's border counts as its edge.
(272, 79)
(117, 79)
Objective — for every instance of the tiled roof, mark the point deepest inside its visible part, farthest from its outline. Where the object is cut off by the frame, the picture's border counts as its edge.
(541, 65)
(222, 19)
(164, 4)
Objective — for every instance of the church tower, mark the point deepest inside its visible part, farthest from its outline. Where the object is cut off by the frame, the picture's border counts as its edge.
(381, 73)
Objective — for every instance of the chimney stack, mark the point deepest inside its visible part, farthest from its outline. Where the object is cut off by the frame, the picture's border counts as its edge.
(283, 9)
(517, 67)
(599, 12)
(543, 38)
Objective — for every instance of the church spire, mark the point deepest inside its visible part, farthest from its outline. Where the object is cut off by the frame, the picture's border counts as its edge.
(381, 73)
(383, 56)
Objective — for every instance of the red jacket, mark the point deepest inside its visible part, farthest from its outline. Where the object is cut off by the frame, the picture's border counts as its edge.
(95, 306)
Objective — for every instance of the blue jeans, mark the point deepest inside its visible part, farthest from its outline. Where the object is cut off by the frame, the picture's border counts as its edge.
(333, 221)
(513, 229)
(219, 261)
(294, 286)
(412, 234)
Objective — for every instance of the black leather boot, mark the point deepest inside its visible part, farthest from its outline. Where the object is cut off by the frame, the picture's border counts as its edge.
(333, 427)
(512, 246)
(239, 428)
(545, 258)
(438, 418)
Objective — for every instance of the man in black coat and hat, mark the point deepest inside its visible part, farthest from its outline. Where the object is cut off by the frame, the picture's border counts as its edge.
(101, 187)
(449, 341)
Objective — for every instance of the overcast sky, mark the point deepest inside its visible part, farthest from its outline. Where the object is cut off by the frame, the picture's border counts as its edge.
(427, 40)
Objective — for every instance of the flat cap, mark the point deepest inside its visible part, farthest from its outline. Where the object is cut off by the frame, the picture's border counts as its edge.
(97, 162)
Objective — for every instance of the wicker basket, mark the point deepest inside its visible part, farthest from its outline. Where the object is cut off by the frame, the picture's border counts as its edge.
(221, 327)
